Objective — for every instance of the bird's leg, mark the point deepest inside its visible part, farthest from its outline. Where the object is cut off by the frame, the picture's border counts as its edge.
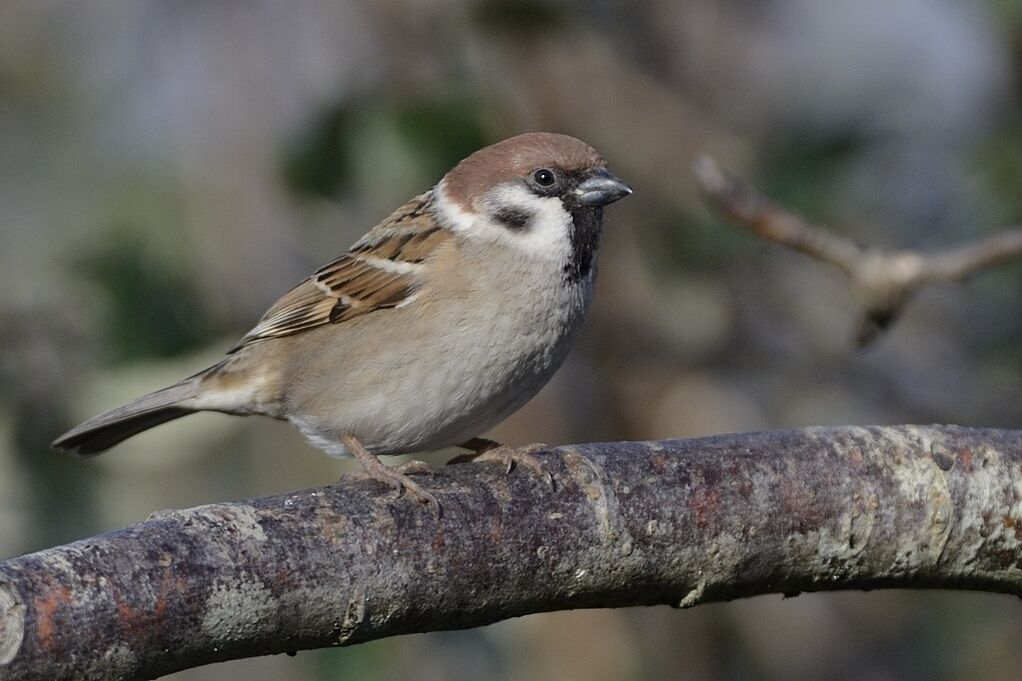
(491, 450)
(396, 476)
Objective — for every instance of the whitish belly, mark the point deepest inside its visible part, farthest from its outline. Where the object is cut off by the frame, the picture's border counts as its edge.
(440, 388)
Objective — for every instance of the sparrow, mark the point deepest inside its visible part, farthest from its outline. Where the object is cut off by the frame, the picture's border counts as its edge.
(440, 322)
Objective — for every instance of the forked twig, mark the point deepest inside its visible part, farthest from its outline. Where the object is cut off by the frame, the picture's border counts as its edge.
(881, 281)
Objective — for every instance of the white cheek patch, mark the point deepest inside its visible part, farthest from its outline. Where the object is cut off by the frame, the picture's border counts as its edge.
(547, 236)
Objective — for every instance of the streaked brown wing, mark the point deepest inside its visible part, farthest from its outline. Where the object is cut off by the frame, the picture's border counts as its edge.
(380, 272)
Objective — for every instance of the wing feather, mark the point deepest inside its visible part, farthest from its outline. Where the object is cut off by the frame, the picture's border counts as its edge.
(381, 271)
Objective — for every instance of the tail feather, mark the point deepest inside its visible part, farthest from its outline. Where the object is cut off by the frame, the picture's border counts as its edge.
(106, 430)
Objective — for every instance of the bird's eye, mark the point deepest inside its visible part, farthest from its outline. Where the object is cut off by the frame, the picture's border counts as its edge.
(544, 177)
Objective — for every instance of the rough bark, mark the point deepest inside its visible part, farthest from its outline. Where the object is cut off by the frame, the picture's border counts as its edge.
(677, 522)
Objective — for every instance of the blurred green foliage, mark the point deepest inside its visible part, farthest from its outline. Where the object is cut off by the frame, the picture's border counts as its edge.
(999, 162)
(435, 133)
(519, 16)
(152, 307)
(804, 171)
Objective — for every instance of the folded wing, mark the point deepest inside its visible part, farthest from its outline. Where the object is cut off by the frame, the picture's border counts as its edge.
(381, 271)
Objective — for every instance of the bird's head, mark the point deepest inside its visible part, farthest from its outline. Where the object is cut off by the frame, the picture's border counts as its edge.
(542, 193)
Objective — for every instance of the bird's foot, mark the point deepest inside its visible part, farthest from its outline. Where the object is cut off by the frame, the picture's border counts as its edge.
(394, 476)
(484, 450)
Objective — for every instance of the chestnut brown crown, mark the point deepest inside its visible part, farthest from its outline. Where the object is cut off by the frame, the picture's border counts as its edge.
(514, 159)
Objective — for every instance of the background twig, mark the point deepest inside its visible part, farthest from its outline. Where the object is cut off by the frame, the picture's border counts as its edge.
(881, 281)
(680, 522)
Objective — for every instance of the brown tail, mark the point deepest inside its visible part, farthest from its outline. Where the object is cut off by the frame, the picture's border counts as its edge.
(106, 430)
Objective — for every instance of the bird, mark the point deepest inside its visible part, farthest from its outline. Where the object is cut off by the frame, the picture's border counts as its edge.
(441, 321)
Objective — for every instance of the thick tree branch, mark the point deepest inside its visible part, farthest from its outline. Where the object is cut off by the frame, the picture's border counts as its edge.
(881, 281)
(680, 522)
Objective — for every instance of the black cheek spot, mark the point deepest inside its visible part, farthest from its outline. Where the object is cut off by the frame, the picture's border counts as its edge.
(514, 219)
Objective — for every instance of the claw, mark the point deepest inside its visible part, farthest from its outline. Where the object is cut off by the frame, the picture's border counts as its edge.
(396, 476)
(488, 450)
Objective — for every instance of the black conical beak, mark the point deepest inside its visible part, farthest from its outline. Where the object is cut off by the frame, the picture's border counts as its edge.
(600, 188)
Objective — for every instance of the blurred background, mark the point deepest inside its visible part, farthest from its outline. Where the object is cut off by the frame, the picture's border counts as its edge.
(167, 169)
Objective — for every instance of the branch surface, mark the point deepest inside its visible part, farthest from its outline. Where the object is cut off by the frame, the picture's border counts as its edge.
(881, 281)
(677, 522)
